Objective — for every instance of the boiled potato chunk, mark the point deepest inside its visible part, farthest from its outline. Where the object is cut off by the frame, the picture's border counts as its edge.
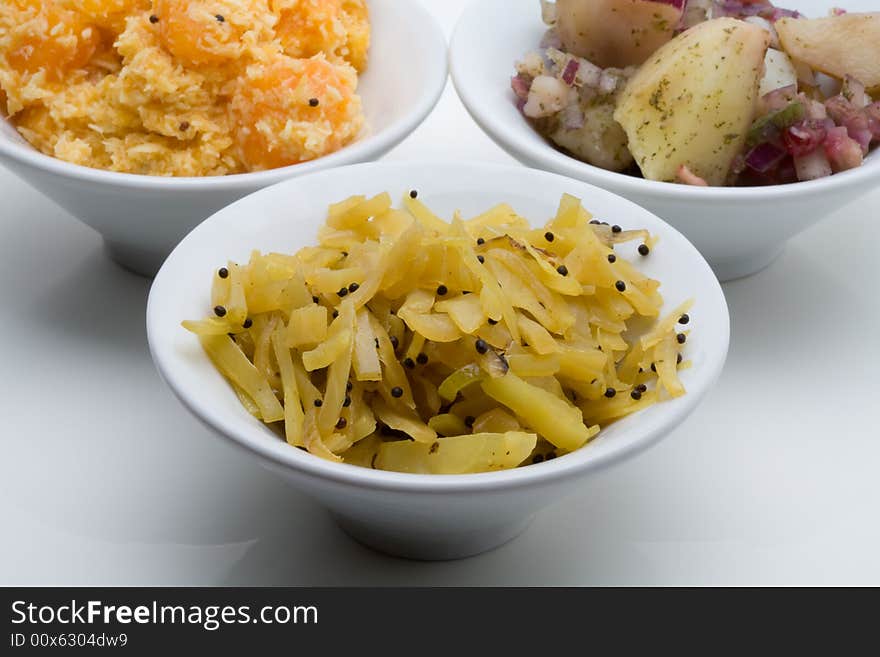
(478, 452)
(694, 100)
(837, 45)
(601, 141)
(615, 33)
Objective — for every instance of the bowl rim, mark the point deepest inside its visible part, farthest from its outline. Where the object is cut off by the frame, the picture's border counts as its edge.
(308, 466)
(522, 146)
(369, 145)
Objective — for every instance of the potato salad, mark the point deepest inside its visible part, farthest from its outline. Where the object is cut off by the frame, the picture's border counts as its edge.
(705, 92)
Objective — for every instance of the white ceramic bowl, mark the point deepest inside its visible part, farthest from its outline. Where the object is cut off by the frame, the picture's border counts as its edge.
(142, 217)
(738, 230)
(421, 516)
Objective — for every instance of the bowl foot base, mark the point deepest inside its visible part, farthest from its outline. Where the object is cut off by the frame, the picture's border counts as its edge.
(730, 269)
(135, 259)
(430, 545)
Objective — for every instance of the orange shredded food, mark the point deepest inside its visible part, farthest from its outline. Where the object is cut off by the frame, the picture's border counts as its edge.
(184, 87)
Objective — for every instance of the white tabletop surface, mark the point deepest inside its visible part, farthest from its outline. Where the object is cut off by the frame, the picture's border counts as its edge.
(107, 480)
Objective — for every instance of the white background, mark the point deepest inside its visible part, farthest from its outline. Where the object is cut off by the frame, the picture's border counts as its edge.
(107, 480)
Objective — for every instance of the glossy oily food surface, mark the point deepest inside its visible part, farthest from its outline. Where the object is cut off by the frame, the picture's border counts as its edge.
(402, 341)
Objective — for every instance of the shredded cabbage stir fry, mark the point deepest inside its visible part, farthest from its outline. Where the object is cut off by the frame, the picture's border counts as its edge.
(405, 342)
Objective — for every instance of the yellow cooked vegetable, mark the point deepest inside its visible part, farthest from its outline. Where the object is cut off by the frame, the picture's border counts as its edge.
(476, 452)
(838, 45)
(692, 102)
(405, 342)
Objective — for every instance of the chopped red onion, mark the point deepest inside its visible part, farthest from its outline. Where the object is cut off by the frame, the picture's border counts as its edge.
(520, 85)
(843, 152)
(695, 12)
(804, 137)
(812, 166)
(873, 113)
(813, 108)
(743, 9)
(863, 138)
(786, 172)
(571, 69)
(840, 109)
(784, 13)
(853, 118)
(764, 157)
(547, 96)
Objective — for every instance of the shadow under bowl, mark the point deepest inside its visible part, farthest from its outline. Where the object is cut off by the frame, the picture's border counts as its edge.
(422, 516)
